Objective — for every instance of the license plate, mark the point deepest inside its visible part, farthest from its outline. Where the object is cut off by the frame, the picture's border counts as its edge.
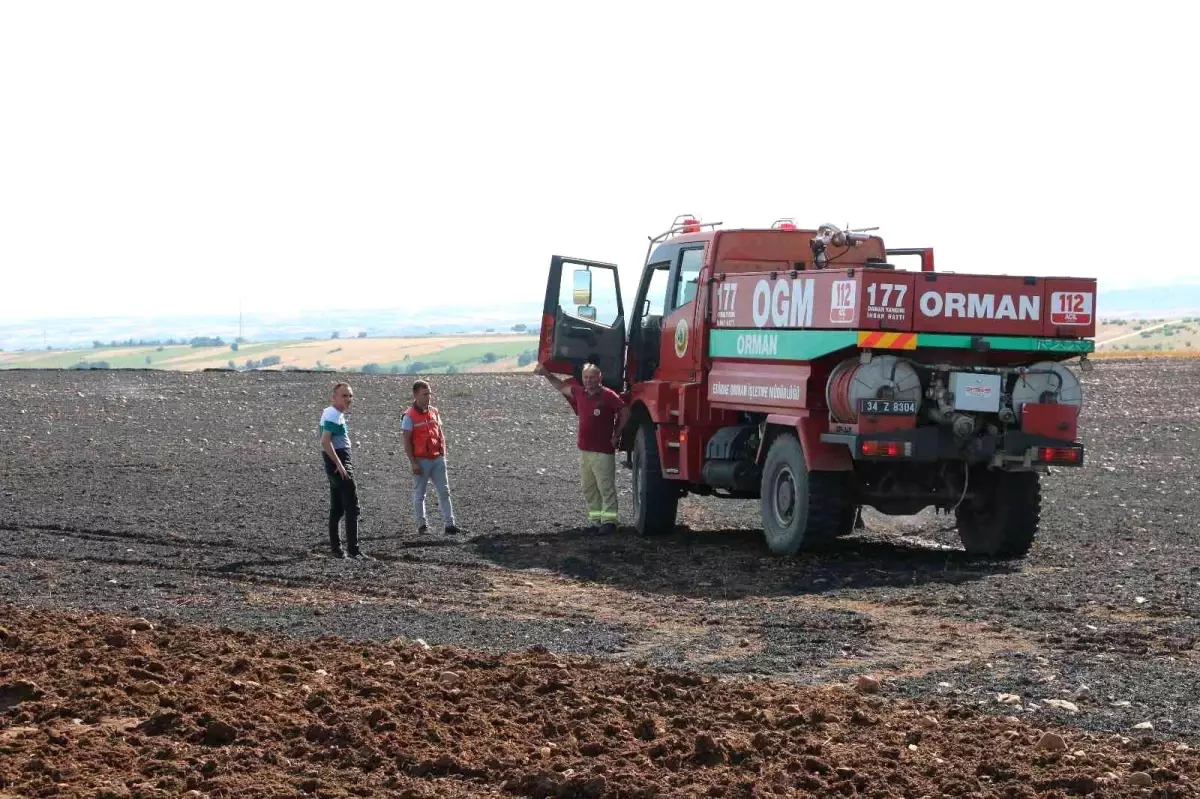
(887, 407)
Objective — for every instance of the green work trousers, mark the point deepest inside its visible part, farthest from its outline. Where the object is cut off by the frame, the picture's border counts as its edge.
(599, 473)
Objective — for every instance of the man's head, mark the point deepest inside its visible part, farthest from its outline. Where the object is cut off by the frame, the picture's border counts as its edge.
(421, 394)
(591, 378)
(342, 397)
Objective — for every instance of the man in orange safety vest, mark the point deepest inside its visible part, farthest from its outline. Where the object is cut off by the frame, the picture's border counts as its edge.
(425, 445)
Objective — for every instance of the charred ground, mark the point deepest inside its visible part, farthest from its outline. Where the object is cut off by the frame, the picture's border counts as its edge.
(200, 498)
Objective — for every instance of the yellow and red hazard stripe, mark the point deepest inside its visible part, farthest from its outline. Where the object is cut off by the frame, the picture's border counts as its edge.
(883, 340)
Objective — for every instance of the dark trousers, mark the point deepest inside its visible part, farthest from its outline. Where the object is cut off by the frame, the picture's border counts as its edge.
(343, 501)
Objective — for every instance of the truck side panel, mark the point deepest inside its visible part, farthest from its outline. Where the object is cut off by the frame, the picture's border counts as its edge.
(795, 299)
(1000, 305)
(868, 298)
(886, 300)
(762, 386)
(1070, 308)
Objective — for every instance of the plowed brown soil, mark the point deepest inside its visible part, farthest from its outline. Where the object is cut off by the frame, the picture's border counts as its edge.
(198, 499)
(98, 705)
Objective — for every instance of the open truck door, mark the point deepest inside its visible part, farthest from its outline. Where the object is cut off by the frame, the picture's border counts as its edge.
(583, 320)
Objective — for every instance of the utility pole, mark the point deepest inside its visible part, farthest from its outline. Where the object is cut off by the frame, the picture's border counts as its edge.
(239, 321)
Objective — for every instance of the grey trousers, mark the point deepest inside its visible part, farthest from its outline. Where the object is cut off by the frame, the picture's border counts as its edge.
(432, 470)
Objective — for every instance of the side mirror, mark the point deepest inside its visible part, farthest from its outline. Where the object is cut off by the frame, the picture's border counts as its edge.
(582, 294)
(587, 312)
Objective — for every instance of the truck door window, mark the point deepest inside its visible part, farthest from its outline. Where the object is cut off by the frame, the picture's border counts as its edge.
(690, 262)
(656, 292)
(603, 300)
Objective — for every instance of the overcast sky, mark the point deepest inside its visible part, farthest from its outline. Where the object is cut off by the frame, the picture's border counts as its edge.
(173, 157)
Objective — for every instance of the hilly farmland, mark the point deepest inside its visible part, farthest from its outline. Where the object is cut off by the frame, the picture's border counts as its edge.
(439, 354)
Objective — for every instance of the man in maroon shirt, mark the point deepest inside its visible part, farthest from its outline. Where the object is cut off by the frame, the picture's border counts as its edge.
(602, 415)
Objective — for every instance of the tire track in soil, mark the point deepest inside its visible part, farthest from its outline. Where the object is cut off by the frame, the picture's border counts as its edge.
(901, 641)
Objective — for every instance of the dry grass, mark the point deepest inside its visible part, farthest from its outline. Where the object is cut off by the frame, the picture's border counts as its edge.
(1114, 355)
(356, 352)
(1107, 331)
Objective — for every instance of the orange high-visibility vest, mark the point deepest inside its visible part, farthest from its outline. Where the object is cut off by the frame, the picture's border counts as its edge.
(427, 439)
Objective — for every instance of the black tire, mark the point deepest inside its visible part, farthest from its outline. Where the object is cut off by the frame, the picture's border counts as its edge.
(1003, 520)
(655, 499)
(799, 505)
(849, 516)
(835, 489)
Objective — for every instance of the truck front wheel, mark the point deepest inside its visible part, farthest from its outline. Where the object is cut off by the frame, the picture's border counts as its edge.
(655, 499)
(798, 504)
(1002, 520)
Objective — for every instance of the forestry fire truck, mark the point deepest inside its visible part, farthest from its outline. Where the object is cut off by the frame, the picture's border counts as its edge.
(806, 369)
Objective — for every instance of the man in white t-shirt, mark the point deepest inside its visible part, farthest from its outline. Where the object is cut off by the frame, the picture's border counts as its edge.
(343, 491)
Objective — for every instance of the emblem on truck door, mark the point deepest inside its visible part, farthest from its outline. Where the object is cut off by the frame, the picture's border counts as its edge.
(681, 338)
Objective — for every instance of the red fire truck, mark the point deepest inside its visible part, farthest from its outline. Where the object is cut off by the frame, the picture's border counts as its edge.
(809, 370)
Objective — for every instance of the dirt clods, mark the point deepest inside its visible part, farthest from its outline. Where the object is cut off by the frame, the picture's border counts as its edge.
(1049, 742)
(14, 693)
(606, 730)
(175, 626)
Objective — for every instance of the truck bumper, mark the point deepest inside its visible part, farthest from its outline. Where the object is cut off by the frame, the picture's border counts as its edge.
(938, 444)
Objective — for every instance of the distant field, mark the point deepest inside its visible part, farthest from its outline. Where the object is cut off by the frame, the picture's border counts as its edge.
(480, 353)
(475, 353)
(1150, 335)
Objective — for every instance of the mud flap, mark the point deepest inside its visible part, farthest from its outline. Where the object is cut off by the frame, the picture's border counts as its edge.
(819, 456)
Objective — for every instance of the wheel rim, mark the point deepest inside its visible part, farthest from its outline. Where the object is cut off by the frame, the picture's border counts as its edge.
(783, 497)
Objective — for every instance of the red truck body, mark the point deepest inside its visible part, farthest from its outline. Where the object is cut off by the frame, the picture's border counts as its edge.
(871, 384)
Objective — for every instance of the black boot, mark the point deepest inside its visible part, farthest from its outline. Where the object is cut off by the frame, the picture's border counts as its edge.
(352, 537)
(335, 544)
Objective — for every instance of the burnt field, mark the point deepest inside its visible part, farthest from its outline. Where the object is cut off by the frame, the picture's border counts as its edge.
(197, 502)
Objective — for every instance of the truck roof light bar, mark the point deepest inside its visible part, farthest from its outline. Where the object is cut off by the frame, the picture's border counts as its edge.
(684, 223)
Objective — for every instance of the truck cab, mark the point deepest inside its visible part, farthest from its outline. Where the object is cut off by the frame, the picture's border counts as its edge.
(584, 318)
(807, 369)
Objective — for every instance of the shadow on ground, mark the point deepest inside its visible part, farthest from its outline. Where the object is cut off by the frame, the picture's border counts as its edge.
(730, 564)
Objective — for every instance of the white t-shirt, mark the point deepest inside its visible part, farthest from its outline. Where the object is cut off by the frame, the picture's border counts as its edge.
(334, 421)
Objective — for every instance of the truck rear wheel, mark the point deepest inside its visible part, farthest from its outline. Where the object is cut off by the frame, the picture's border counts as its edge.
(799, 505)
(1003, 520)
(655, 499)
(850, 519)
